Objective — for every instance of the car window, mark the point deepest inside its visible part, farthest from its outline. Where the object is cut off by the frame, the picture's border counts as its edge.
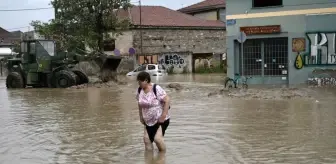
(141, 68)
(151, 67)
(136, 69)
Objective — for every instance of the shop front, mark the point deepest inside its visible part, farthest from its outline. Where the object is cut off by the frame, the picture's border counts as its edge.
(265, 58)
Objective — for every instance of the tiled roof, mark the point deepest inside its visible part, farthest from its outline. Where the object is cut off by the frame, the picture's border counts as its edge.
(4, 32)
(158, 16)
(204, 5)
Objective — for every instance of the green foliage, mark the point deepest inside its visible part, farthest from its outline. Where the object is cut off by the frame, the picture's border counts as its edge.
(84, 22)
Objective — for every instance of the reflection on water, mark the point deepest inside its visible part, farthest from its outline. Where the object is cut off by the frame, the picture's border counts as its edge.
(102, 126)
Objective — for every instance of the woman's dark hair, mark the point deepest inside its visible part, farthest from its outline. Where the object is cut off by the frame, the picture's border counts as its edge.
(144, 76)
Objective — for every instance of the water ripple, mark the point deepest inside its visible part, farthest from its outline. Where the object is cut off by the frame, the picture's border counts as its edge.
(102, 126)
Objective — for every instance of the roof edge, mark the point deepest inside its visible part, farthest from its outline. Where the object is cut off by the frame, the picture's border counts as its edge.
(200, 9)
(137, 27)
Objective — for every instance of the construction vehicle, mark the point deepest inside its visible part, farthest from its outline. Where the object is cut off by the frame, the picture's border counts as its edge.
(38, 65)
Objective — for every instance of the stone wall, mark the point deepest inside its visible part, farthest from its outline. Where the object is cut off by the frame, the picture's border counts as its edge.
(195, 41)
(174, 48)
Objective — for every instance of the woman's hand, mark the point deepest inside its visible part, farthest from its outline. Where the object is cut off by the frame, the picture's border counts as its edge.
(142, 121)
(165, 109)
(162, 118)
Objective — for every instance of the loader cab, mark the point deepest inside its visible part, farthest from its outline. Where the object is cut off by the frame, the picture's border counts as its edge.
(37, 54)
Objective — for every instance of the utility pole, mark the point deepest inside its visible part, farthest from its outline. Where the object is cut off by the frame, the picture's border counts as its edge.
(141, 48)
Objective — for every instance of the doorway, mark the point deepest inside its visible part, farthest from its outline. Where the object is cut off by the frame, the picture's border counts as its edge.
(266, 60)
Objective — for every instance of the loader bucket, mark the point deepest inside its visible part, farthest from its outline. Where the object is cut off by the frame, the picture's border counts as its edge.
(108, 67)
(111, 63)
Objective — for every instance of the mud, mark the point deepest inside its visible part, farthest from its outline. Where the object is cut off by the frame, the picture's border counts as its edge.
(175, 86)
(305, 93)
(97, 82)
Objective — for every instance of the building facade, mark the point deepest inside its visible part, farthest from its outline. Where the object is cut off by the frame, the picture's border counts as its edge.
(32, 35)
(207, 9)
(287, 40)
(171, 38)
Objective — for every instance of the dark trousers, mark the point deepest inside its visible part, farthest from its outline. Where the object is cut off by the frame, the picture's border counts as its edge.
(151, 130)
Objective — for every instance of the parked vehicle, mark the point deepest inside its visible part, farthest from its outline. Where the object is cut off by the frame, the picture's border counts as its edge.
(152, 69)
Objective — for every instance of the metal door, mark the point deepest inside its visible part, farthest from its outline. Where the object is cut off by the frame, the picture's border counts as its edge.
(266, 60)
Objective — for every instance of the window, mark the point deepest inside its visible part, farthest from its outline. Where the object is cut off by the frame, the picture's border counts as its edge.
(267, 3)
(49, 46)
(222, 15)
(151, 67)
(32, 48)
(109, 45)
(24, 47)
(141, 68)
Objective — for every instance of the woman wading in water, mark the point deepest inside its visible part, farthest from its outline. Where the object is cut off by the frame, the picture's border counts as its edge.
(154, 107)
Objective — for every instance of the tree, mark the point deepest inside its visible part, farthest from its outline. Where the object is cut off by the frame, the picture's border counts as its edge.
(84, 22)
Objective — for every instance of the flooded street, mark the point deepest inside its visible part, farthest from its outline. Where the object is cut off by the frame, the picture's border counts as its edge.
(101, 125)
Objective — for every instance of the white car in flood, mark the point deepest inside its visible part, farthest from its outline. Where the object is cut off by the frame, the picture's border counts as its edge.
(152, 69)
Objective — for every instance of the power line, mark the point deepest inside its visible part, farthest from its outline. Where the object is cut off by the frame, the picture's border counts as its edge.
(31, 9)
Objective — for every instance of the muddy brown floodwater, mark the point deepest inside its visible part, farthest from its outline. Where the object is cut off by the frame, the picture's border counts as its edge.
(101, 125)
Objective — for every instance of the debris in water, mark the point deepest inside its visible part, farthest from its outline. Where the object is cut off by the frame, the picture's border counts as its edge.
(176, 86)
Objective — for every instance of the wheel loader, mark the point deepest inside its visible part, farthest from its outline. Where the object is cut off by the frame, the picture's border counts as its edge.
(38, 65)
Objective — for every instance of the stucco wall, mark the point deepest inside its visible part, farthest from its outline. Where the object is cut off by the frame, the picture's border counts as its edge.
(123, 42)
(292, 26)
(210, 15)
(245, 7)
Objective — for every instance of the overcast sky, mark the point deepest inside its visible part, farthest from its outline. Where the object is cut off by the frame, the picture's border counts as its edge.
(19, 20)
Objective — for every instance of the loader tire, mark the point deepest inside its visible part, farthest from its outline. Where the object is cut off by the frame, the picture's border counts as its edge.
(65, 79)
(15, 80)
(83, 78)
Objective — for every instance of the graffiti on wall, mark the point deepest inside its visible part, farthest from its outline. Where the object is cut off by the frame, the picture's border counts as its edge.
(298, 61)
(322, 78)
(172, 60)
(321, 48)
(174, 63)
(298, 46)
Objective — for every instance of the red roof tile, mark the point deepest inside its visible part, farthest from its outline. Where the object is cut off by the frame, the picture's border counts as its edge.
(207, 4)
(4, 32)
(158, 16)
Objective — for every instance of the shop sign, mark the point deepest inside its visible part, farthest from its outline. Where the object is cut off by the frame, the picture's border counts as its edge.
(250, 30)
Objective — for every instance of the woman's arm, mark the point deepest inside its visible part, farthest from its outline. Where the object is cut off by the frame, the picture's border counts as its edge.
(166, 101)
(140, 109)
(140, 114)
